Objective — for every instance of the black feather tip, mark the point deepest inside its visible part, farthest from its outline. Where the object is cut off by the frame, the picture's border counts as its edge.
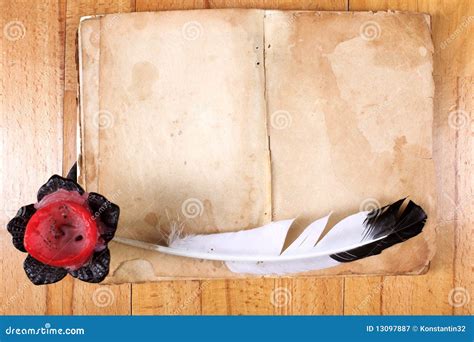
(396, 223)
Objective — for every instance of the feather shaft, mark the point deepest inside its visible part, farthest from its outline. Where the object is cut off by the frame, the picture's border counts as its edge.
(258, 250)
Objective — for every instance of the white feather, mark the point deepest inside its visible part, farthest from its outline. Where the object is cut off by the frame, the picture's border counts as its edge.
(308, 238)
(347, 232)
(280, 267)
(238, 243)
(259, 250)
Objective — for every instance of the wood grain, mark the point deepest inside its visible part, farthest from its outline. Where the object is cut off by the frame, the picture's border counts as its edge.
(242, 297)
(169, 298)
(34, 130)
(448, 278)
(79, 297)
(159, 5)
(31, 74)
(464, 220)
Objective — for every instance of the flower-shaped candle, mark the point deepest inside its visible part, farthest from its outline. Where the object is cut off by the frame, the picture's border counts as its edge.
(66, 231)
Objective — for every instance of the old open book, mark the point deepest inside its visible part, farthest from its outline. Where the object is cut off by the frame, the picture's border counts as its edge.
(221, 120)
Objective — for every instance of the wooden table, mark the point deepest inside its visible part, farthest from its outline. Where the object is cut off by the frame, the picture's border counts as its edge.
(37, 130)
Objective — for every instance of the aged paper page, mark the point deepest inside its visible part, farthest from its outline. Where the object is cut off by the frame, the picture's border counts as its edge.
(349, 116)
(89, 52)
(187, 140)
(180, 132)
(349, 98)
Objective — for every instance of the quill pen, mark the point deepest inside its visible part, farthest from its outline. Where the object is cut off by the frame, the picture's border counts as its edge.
(259, 250)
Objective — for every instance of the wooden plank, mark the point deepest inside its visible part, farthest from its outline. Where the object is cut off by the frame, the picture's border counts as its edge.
(317, 296)
(321, 5)
(157, 5)
(216, 297)
(169, 298)
(453, 27)
(31, 74)
(246, 296)
(279, 296)
(431, 293)
(92, 299)
(238, 297)
(78, 297)
(154, 5)
(367, 300)
(383, 5)
(462, 121)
